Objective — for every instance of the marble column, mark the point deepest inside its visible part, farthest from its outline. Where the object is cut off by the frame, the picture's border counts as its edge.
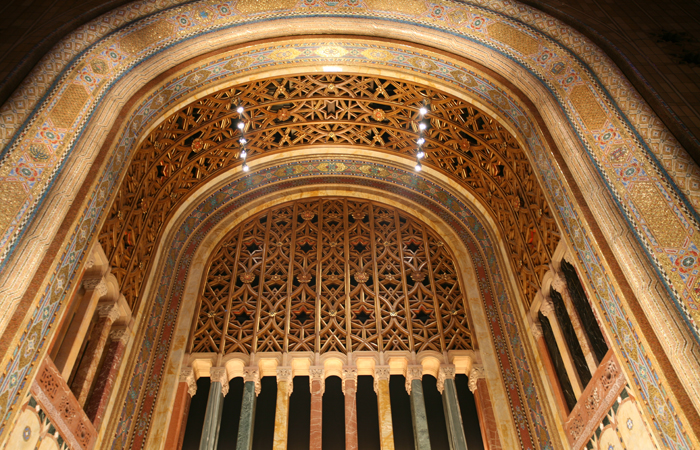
(453, 417)
(215, 404)
(484, 409)
(107, 313)
(186, 389)
(102, 391)
(559, 285)
(67, 354)
(284, 390)
(251, 389)
(317, 387)
(350, 392)
(381, 387)
(548, 364)
(548, 310)
(419, 417)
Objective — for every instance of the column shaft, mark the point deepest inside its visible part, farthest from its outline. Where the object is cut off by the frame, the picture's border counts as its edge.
(487, 419)
(281, 415)
(105, 380)
(212, 418)
(350, 391)
(421, 436)
(178, 418)
(316, 425)
(453, 417)
(93, 353)
(247, 421)
(386, 429)
(548, 311)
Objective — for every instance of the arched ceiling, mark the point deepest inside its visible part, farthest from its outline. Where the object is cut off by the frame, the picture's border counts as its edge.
(309, 113)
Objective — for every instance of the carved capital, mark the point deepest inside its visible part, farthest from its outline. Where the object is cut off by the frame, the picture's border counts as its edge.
(286, 374)
(317, 373)
(349, 374)
(413, 372)
(381, 373)
(218, 374)
(252, 374)
(446, 372)
(96, 284)
(474, 375)
(108, 311)
(559, 284)
(187, 376)
(547, 308)
(120, 334)
(536, 329)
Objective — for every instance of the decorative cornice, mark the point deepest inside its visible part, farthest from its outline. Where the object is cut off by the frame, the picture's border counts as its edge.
(187, 376)
(474, 375)
(447, 372)
(219, 374)
(349, 374)
(252, 374)
(413, 372)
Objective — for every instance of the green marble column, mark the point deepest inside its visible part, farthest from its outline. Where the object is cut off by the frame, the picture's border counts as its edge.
(414, 385)
(215, 404)
(245, 426)
(453, 417)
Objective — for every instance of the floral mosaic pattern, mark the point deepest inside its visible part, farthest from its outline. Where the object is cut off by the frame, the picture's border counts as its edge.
(635, 143)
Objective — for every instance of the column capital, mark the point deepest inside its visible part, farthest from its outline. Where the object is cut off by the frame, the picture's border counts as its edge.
(474, 375)
(317, 373)
(413, 372)
(536, 329)
(219, 374)
(446, 372)
(187, 376)
(120, 334)
(547, 307)
(107, 310)
(349, 374)
(285, 373)
(381, 373)
(559, 283)
(252, 373)
(96, 284)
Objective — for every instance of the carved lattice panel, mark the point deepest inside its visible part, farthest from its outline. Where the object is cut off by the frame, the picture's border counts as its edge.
(295, 270)
(201, 141)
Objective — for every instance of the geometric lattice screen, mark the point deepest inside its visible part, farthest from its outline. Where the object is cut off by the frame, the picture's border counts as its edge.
(331, 274)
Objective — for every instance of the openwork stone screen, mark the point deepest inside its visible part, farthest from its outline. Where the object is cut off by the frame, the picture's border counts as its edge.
(331, 274)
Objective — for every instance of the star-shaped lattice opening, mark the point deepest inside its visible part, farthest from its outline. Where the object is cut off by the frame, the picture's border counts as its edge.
(363, 316)
(302, 316)
(242, 317)
(424, 316)
(252, 246)
(413, 246)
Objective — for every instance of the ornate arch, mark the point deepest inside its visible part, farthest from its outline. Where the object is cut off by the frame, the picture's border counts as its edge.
(635, 156)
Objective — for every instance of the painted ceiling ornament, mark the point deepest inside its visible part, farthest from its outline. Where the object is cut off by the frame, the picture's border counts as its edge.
(197, 145)
(379, 115)
(247, 277)
(361, 277)
(308, 215)
(283, 114)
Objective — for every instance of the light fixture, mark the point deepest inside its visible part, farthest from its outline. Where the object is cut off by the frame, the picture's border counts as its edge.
(244, 154)
(242, 141)
(239, 110)
(418, 166)
(420, 154)
(245, 167)
(241, 125)
(423, 110)
(420, 141)
(422, 126)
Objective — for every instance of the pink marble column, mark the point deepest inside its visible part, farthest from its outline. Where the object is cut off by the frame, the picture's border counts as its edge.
(105, 380)
(317, 385)
(107, 314)
(350, 391)
(484, 409)
(178, 419)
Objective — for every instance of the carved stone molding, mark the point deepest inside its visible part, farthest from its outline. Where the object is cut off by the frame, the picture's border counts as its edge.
(536, 329)
(474, 375)
(96, 284)
(447, 372)
(595, 402)
(413, 372)
(349, 374)
(286, 374)
(252, 374)
(187, 376)
(62, 408)
(120, 334)
(219, 374)
(317, 374)
(547, 308)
